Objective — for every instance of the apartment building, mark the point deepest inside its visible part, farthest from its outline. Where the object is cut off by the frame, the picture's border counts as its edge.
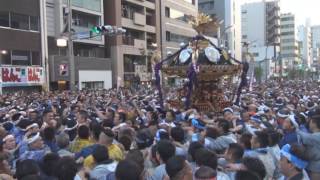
(174, 22)
(315, 35)
(261, 23)
(289, 41)
(304, 35)
(131, 53)
(272, 22)
(261, 31)
(21, 38)
(92, 68)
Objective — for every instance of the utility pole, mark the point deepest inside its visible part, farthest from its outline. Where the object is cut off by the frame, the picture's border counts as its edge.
(44, 45)
(70, 50)
(281, 68)
(275, 57)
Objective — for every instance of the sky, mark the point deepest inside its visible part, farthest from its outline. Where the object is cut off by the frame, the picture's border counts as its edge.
(303, 9)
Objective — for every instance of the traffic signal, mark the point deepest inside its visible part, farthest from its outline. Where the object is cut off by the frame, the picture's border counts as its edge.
(101, 29)
(107, 30)
(63, 70)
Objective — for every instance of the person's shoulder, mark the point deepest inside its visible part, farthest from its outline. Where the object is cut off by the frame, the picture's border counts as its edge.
(114, 148)
(222, 176)
(159, 172)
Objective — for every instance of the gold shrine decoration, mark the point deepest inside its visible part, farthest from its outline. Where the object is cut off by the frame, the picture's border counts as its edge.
(204, 23)
(207, 72)
(156, 57)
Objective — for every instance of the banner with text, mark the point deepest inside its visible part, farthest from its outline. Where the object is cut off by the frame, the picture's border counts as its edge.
(22, 76)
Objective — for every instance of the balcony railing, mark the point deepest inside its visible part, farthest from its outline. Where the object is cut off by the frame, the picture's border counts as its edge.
(137, 43)
(139, 19)
(94, 5)
(140, 44)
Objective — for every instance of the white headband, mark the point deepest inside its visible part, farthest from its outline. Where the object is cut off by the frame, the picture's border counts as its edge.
(7, 137)
(227, 109)
(32, 126)
(293, 121)
(33, 139)
(282, 115)
(304, 115)
(72, 128)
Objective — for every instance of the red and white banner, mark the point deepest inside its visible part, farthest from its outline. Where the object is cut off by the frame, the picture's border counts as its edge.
(22, 76)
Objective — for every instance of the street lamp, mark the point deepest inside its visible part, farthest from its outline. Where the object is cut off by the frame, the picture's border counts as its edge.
(4, 52)
(62, 42)
(154, 45)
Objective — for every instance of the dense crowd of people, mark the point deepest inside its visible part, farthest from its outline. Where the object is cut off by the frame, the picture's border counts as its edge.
(124, 134)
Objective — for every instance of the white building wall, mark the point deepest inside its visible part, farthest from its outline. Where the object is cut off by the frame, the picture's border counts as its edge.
(233, 18)
(263, 58)
(304, 34)
(254, 23)
(289, 46)
(315, 31)
(237, 30)
(95, 76)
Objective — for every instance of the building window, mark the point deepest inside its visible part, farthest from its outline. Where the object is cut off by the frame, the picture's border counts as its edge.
(128, 11)
(84, 20)
(244, 36)
(167, 12)
(94, 5)
(130, 62)
(175, 14)
(287, 26)
(34, 23)
(289, 48)
(176, 37)
(287, 19)
(190, 1)
(19, 21)
(4, 19)
(287, 33)
(287, 40)
(206, 6)
(168, 36)
(36, 60)
(179, 38)
(19, 57)
(93, 85)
